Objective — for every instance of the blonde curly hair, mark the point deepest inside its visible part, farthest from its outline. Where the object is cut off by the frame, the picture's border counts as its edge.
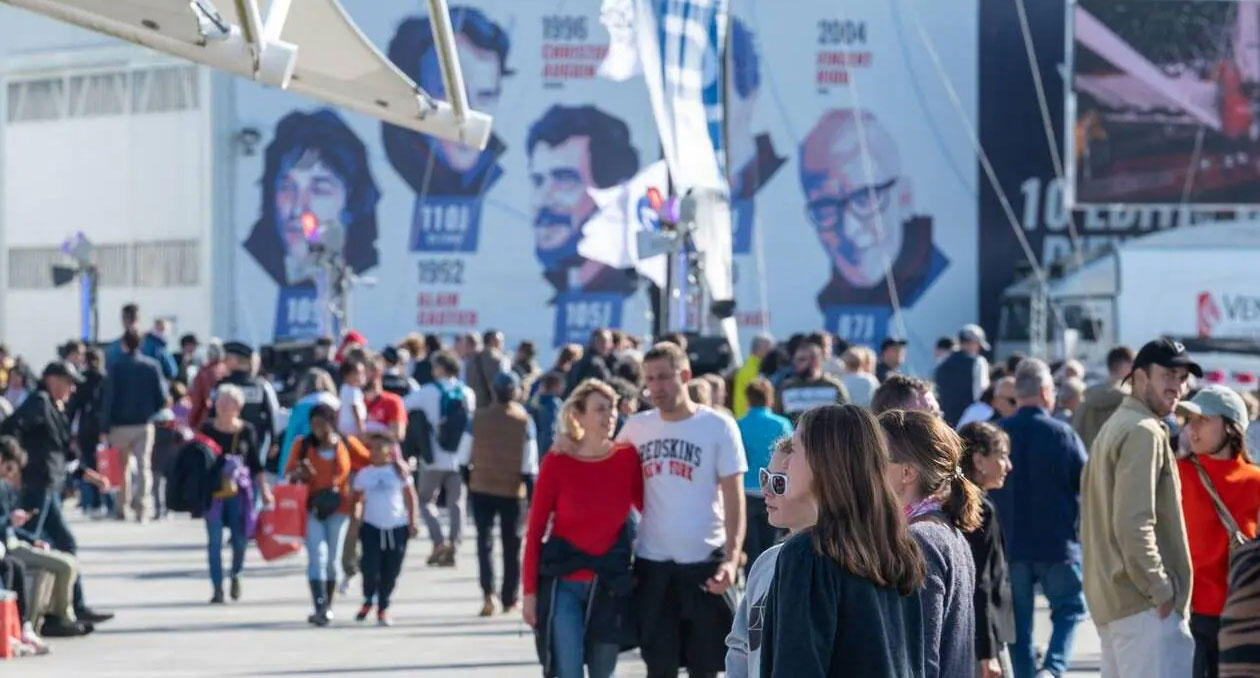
(575, 406)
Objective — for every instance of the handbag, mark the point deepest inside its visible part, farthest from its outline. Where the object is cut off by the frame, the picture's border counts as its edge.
(1236, 536)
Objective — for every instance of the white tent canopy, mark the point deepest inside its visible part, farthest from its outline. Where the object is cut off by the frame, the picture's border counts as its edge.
(308, 46)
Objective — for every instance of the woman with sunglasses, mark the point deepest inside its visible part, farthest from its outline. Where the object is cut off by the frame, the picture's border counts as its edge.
(582, 573)
(940, 505)
(986, 461)
(838, 603)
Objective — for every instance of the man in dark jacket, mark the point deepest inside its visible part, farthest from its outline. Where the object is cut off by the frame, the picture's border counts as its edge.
(1040, 508)
(134, 392)
(41, 427)
(596, 363)
(964, 375)
(261, 405)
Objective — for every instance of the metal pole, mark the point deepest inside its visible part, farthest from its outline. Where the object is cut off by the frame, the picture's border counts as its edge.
(452, 74)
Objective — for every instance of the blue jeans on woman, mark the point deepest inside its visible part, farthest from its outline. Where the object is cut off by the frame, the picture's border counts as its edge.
(233, 518)
(1061, 584)
(570, 648)
(324, 539)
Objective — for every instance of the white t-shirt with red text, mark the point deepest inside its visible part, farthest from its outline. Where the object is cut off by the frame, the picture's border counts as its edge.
(683, 518)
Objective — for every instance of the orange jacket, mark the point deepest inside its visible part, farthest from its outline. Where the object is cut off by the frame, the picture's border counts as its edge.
(1238, 483)
(331, 473)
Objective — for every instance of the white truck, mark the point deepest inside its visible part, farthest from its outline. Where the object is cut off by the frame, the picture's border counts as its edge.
(1199, 284)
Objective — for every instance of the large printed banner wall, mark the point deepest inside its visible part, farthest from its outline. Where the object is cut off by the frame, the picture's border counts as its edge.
(848, 162)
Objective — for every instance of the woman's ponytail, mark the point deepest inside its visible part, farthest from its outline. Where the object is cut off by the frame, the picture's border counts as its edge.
(963, 505)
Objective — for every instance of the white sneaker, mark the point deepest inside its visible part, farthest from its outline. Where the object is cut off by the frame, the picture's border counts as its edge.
(30, 638)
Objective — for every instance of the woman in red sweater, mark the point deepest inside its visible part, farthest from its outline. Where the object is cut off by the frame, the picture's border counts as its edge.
(1218, 419)
(587, 496)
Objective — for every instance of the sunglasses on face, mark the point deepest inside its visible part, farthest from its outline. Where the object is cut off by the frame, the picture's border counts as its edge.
(773, 484)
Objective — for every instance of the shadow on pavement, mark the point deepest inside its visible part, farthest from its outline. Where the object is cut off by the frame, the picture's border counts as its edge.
(348, 670)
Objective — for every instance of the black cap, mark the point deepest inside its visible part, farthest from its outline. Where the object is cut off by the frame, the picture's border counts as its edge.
(63, 368)
(1166, 353)
(239, 349)
(390, 354)
(890, 342)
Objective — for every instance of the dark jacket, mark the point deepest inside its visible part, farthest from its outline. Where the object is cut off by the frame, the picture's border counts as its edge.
(85, 407)
(151, 345)
(590, 366)
(955, 384)
(546, 413)
(947, 599)
(822, 620)
(609, 612)
(1040, 504)
(995, 618)
(44, 432)
(189, 481)
(134, 392)
(8, 503)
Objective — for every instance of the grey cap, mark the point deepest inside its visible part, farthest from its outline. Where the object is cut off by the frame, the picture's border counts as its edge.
(1216, 400)
(974, 333)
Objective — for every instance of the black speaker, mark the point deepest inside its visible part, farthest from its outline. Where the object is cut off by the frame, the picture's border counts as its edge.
(63, 275)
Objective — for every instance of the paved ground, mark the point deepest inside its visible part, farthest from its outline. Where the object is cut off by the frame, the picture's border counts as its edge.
(154, 577)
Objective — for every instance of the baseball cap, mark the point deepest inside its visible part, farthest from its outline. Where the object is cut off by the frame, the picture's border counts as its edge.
(890, 342)
(1166, 353)
(1216, 400)
(62, 368)
(238, 348)
(973, 332)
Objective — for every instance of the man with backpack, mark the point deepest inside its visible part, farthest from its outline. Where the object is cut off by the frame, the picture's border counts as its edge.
(440, 414)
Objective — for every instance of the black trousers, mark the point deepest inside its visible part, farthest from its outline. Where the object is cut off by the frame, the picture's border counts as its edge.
(383, 553)
(13, 578)
(486, 509)
(760, 535)
(681, 625)
(1207, 657)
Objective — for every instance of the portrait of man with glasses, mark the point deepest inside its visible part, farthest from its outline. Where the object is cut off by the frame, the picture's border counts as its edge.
(861, 207)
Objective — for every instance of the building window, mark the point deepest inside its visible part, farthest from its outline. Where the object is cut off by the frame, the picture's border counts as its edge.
(175, 263)
(158, 89)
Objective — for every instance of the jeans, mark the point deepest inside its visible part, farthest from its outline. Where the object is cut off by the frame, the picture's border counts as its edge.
(1061, 585)
(383, 553)
(1207, 651)
(323, 545)
(50, 525)
(760, 534)
(569, 647)
(486, 508)
(92, 498)
(233, 518)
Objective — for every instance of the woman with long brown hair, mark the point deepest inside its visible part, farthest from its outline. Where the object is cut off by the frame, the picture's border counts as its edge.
(840, 601)
(941, 505)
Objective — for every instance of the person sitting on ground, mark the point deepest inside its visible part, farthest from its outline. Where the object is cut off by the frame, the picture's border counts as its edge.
(389, 520)
(13, 578)
(24, 546)
(903, 392)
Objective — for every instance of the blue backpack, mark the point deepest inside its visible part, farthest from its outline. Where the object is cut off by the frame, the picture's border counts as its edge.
(453, 417)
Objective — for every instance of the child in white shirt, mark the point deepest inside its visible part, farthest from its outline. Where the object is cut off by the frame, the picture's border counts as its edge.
(389, 520)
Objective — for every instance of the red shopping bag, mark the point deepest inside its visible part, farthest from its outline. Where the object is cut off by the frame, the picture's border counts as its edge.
(10, 625)
(289, 513)
(111, 464)
(272, 545)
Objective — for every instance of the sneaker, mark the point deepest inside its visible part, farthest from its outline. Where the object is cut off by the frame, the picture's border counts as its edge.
(235, 590)
(363, 612)
(448, 557)
(487, 607)
(511, 608)
(20, 649)
(62, 629)
(33, 641)
(382, 619)
(217, 598)
(436, 556)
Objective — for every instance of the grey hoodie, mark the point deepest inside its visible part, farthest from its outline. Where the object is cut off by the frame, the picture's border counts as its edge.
(743, 645)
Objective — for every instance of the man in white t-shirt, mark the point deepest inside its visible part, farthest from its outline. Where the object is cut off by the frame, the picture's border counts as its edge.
(352, 417)
(692, 532)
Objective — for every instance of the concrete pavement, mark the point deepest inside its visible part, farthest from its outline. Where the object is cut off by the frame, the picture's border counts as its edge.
(154, 577)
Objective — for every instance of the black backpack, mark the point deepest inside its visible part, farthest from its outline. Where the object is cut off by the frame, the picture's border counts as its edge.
(418, 441)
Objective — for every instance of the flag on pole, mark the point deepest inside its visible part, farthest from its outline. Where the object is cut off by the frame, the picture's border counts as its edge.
(611, 236)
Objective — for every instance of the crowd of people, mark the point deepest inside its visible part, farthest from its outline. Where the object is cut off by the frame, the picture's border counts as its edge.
(813, 511)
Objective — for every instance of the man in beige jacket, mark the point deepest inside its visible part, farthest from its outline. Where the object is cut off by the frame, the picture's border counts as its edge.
(1137, 571)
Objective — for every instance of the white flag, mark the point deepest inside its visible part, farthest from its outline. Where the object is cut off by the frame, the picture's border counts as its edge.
(611, 235)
